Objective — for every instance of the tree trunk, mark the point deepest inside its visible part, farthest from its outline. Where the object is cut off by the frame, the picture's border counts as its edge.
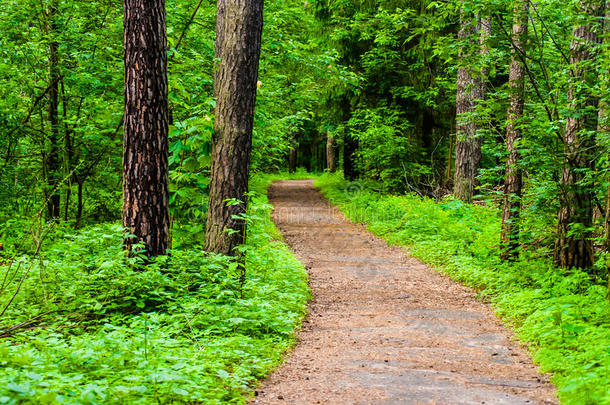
(67, 202)
(292, 159)
(513, 182)
(603, 128)
(53, 159)
(574, 247)
(331, 160)
(470, 89)
(238, 41)
(145, 151)
(69, 153)
(79, 206)
(449, 161)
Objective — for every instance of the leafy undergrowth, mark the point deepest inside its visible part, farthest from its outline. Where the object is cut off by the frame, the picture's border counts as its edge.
(91, 329)
(563, 315)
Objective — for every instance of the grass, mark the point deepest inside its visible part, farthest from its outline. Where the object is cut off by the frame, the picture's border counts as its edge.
(184, 330)
(563, 315)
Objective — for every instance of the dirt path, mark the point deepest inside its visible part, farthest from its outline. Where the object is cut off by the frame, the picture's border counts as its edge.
(385, 329)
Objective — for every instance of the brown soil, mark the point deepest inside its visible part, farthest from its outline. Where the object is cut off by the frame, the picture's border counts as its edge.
(385, 329)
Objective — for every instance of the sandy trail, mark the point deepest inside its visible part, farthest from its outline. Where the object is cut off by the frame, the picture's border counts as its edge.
(385, 329)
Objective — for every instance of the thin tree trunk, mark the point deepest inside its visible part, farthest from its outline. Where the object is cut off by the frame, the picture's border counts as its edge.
(53, 160)
(69, 152)
(513, 182)
(219, 43)
(574, 247)
(449, 161)
(331, 153)
(145, 150)
(79, 206)
(67, 202)
(238, 42)
(292, 160)
(188, 24)
(603, 127)
(470, 89)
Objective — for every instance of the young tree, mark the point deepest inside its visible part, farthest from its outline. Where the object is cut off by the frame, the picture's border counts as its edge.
(238, 43)
(53, 161)
(603, 131)
(513, 182)
(574, 247)
(331, 160)
(145, 151)
(470, 90)
(293, 153)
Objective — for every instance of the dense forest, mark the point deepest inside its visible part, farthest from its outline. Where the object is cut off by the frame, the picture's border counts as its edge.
(138, 258)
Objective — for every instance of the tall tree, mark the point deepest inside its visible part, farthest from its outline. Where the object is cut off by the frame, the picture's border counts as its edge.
(470, 90)
(238, 43)
(53, 161)
(574, 247)
(145, 151)
(513, 182)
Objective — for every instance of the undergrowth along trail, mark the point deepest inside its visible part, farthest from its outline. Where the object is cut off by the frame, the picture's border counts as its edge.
(563, 315)
(183, 330)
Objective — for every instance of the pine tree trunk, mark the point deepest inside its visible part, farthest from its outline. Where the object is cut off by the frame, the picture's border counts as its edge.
(238, 42)
(574, 247)
(145, 150)
(331, 153)
(513, 182)
(53, 158)
(470, 89)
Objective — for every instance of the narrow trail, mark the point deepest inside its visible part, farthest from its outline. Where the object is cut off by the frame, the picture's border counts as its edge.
(385, 329)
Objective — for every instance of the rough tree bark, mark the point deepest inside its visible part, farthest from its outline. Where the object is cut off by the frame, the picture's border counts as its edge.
(145, 150)
(470, 89)
(513, 182)
(53, 160)
(331, 153)
(238, 41)
(574, 247)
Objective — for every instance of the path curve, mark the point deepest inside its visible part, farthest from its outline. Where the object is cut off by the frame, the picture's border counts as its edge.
(385, 329)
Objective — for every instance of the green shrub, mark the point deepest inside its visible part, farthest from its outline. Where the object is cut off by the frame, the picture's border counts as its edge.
(182, 330)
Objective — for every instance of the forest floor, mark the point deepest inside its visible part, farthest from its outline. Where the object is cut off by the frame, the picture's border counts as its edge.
(385, 329)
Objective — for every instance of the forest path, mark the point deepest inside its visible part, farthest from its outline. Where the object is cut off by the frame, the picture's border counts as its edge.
(385, 329)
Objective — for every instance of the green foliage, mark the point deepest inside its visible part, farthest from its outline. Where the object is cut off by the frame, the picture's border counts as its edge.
(387, 148)
(380, 72)
(563, 315)
(184, 329)
(297, 68)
